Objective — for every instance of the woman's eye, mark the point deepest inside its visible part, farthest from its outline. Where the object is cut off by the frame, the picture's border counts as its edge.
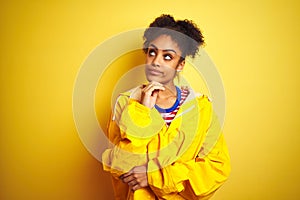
(151, 53)
(168, 57)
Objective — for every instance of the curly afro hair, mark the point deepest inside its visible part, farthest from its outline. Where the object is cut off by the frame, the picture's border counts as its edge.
(184, 32)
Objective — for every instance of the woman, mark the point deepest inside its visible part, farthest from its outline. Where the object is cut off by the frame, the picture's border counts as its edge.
(161, 133)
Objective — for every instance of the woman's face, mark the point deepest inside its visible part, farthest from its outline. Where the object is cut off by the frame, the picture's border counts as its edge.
(162, 60)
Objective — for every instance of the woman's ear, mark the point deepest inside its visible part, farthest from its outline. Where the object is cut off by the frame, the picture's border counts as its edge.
(180, 65)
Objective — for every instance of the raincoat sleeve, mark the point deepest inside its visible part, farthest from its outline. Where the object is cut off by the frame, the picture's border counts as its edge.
(132, 126)
(199, 175)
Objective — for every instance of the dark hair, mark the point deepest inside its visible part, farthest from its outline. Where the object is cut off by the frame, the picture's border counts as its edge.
(184, 32)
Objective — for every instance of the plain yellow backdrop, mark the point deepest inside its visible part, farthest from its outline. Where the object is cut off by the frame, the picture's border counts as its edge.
(254, 44)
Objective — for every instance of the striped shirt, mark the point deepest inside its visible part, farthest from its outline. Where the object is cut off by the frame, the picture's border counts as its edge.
(169, 114)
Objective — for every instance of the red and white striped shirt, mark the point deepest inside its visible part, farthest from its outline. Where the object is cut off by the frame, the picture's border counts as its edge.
(169, 114)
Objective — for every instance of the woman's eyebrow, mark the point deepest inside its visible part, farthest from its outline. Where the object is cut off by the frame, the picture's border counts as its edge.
(155, 47)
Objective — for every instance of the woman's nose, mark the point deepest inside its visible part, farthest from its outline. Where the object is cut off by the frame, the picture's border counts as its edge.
(156, 61)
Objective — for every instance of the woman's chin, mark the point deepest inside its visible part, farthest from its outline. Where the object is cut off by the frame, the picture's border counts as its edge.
(155, 80)
(151, 78)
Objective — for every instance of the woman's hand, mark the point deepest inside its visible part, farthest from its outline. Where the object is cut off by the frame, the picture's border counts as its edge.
(136, 178)
(149, 94)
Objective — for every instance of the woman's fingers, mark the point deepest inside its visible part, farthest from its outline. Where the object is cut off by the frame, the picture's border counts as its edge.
(150, 92)
(128, 179)
(135, 181)
(136, 178)
(149, 89)
(136, 187)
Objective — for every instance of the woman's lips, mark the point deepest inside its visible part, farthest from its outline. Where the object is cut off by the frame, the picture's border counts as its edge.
(154, 72)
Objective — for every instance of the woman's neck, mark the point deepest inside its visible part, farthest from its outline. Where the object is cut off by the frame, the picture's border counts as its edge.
(170, 91)
(167, 98)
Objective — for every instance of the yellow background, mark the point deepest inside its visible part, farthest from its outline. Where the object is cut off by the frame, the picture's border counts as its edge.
(254, 44)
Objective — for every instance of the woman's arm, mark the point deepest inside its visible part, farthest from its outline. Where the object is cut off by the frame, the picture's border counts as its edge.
(203, 176)
(195, 175)
(130, 129)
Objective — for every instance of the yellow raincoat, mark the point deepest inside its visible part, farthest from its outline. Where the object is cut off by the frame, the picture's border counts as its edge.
(187, 160)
